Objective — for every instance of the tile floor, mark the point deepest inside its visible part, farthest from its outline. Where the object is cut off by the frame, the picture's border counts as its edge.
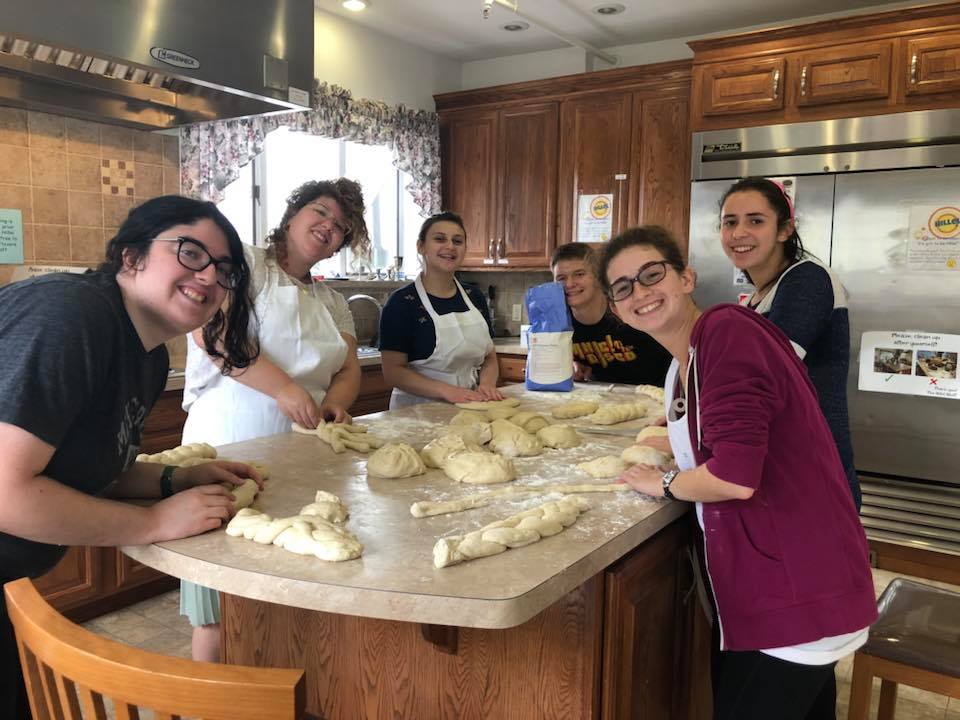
(156, 625)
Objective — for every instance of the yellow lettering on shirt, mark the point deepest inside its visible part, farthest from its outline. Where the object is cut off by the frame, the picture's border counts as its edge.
(603, 352)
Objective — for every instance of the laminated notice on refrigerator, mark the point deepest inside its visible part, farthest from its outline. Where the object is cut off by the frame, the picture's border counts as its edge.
(595, 218)
(933, 238)
(910, 362)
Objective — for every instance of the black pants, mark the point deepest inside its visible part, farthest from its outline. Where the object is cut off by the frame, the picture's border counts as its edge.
(13, 693)
(753, 686)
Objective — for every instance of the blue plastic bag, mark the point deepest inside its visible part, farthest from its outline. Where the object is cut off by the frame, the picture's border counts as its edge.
(550, 339)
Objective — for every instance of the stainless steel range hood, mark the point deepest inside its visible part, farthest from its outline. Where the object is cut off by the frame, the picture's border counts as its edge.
(155, 64)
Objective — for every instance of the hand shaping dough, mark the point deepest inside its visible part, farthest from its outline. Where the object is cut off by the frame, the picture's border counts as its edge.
(489, 404)
(529, 421)
(652, 391)
(479, 468)
(603, 467)
(518, 530)
(395, 460)
(652, 431)
(469, 417)
(179, 454)
(513, 441)
(617, 413)
(645, 455)
(341, 436)
(574, 409)
(244, 494)
(476, 433)
(559, 436)
(428, 508)
(436, 451)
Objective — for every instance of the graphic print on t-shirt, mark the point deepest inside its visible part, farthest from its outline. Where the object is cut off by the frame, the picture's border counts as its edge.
(131, 427)
(603, 352)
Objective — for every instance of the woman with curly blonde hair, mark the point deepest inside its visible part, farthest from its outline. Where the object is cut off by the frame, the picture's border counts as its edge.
(308, 370)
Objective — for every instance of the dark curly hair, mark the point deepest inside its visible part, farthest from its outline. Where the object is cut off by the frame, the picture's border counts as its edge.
(349, 196)
(146, 222)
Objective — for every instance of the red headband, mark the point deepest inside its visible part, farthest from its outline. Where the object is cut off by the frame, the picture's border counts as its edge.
(786, 197)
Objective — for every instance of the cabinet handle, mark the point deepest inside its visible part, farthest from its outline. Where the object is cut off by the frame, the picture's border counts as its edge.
(501, 253)
(803, 81)
(491, 247)
(913, 69)
(776, 84)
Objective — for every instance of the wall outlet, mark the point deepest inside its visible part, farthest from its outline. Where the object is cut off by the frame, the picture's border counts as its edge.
(517, 314)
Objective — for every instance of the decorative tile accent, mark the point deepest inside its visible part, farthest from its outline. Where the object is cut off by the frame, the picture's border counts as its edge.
(117, 177)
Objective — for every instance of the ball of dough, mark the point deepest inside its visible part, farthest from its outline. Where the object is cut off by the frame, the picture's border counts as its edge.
(395, 460)
(479, 468)
(439, 449)
(476, 433)
(644, 455)
(529, 421)
(652, 431)
(513, 441)
(603, 467)
(559, 436)
(468, 417)
(501, 413)
(574, 409)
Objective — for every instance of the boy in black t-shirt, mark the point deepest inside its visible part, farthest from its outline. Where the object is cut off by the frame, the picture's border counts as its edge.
(604, 348)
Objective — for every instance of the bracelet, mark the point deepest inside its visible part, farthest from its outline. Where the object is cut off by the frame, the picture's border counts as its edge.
(166, 481)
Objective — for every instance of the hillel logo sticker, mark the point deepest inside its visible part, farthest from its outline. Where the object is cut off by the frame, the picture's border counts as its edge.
(174, 58)
(600, 207)
(945, 223)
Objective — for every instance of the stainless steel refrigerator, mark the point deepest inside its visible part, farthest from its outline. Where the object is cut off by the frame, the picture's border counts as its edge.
(857, 184)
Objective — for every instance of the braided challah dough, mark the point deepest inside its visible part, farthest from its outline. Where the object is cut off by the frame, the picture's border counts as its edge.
(518, 530)
(180, 454)
(315, 531)
(341, 436)
(617, 413)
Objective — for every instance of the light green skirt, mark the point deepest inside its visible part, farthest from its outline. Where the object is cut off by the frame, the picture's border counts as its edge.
(200, 604)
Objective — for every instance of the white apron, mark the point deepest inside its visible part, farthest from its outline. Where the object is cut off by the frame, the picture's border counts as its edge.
(298, 334)
(463, 341)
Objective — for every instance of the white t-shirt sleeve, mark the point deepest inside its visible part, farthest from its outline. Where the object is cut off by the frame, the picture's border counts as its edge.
(336, 305)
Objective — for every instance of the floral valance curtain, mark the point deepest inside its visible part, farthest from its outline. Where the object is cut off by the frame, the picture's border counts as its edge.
(211, 154)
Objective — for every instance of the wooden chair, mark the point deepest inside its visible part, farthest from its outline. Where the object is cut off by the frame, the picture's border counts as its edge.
(915, 641)
(69, 673)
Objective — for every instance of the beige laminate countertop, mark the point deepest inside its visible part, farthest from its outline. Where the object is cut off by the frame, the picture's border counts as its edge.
(509, 346)
(395, 578)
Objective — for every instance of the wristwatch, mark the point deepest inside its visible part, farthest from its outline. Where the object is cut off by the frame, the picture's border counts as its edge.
(666, 480)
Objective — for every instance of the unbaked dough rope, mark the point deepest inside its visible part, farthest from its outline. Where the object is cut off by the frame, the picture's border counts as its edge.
(524, 528)
(341, 436)
(428, 508)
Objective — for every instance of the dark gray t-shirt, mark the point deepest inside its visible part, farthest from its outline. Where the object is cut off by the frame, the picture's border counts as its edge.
(74, 373)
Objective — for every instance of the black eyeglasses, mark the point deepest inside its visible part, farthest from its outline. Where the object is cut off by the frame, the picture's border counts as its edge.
(649, 274)
(194, 256)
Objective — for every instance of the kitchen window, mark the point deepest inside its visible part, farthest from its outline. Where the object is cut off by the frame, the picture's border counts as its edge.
(255, 201)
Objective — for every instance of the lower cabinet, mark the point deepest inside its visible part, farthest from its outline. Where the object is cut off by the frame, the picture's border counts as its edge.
(512, 368)
(374, 392)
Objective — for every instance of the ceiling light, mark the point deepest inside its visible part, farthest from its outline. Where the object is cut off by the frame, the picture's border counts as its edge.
(609, 9)
(515, 26)
(356, 5)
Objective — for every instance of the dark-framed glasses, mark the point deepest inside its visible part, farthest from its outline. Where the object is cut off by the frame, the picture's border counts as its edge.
(649, 274)
(194, 256)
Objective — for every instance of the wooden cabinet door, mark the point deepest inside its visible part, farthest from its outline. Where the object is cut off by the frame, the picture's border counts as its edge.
(77, 578)
(933, 64)
(163, 428)
(468, 144)
(662, 142)
(528, 185)
(745, 86)
(130, 573)
(595, 133)
(512, 368)
(860, 71)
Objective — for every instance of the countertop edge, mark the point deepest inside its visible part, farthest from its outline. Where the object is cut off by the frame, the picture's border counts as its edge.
(407, 607)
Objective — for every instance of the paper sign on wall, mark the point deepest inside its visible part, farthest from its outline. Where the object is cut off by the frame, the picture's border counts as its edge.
(11, 237)
(933, 238)
(595, 218)
(910, 362)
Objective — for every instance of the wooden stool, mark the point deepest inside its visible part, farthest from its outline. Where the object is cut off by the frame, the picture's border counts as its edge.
(915, 641)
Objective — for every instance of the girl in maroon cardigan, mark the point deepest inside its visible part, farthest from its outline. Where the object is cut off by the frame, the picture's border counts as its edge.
(786, 555)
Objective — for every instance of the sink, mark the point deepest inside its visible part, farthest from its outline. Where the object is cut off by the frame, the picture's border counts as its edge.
(367, 350)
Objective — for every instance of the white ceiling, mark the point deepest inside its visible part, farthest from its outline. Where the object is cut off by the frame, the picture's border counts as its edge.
(455, 29)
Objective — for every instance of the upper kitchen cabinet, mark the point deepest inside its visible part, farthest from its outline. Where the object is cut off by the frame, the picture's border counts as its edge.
(619, 132)
(933, 63)
(861, 65)
(469, 156)
(595, 157)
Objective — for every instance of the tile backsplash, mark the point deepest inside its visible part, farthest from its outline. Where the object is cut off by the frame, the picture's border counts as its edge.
(510, 289)
(74, 182)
